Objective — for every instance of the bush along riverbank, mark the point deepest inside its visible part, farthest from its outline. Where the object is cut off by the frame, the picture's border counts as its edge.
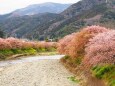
(90, 54)
(12, 46)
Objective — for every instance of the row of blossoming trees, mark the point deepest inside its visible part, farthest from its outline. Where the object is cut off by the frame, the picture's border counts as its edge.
(89, 47)
(10, 46)
(93, 44)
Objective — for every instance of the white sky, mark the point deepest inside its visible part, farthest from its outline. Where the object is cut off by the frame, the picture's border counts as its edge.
(7, 6)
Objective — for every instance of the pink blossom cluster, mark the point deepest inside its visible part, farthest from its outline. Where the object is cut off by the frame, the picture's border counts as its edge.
(14, 43)
(77, 45)
(101, 48)
(95, 29)
(44, 44)
(4, 44)
(74, 44)
(63, 43)
(93, 45)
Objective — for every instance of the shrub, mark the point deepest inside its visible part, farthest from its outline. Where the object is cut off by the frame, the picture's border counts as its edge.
(101, 49)
(11, 46)
(63, 43)
(4, 44)
(74, 44)
(77, 46)
(15, 43)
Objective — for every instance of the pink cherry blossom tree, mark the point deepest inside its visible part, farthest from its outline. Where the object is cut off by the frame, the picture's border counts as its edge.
(74, 45)
(101, 49)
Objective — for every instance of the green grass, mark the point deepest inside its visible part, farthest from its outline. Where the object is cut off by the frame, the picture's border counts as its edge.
(106, 72)
(73, 79)
(4, 54)
(66, 57)
(78, 61)
(46, 49)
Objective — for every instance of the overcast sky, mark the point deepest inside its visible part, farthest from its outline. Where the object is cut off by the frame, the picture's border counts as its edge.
(7, 6)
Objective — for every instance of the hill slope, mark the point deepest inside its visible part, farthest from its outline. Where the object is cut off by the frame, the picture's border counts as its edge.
(29, 26)
(95, 12)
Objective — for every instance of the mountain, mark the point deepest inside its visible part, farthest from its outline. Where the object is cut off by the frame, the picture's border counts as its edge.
(41, 8)
(86, 13)
(29, 26)
(81, 6)
(81, 14)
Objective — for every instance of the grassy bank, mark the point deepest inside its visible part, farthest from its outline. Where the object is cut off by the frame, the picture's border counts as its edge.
(100, 75)
(5, 54)
(12, 53)
(105, 72)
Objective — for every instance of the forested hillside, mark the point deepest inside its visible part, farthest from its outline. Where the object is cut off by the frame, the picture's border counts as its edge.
(29, 26)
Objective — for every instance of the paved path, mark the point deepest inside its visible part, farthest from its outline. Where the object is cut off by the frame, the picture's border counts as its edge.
(35, 71)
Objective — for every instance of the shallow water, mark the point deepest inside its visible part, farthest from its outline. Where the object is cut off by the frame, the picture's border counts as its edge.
(29, 59)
